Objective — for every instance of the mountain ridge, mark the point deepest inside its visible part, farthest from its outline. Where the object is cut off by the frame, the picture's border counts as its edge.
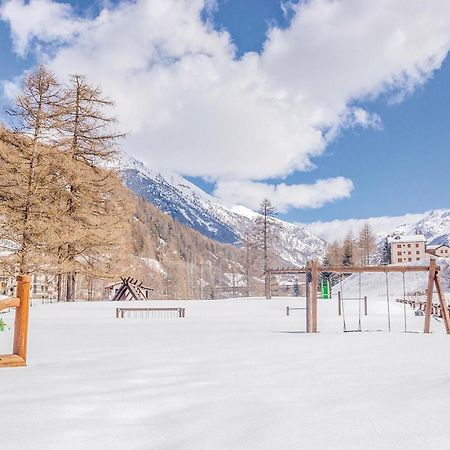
(191, 206)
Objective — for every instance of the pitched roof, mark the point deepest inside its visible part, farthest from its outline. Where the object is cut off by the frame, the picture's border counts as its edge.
(406, 238)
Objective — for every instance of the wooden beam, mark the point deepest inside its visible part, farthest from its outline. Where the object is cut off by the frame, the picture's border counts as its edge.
(12, 361)
(9, 303)
(287, 271)
(352, 269)
(443, 303)
(374, 269)
(428, 304)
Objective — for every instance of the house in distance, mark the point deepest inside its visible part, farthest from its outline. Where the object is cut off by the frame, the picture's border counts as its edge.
(441, 250)
(407, 248)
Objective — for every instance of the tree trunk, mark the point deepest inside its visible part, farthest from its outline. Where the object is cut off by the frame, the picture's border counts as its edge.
(70, 287)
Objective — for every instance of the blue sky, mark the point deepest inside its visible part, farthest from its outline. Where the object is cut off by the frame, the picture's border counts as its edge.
(394, 168)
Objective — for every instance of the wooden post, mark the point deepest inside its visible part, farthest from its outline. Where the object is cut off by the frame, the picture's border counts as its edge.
(428, 304)
(268, 285)
(22, 316)
(365, 305)
(339, 304)
(442, 303)
(308, 297)
(313, 294)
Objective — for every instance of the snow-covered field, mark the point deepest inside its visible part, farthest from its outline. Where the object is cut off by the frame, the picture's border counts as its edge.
(233, 374)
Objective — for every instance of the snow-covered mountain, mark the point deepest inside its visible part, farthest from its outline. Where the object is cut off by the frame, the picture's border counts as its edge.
(191, 206)
(434, 225)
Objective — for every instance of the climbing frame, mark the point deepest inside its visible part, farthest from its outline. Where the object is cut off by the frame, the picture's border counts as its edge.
(21, 303)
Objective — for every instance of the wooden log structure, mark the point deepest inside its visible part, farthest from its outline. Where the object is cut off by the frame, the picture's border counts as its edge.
(21, 303)
(312, 271)
(131, 289)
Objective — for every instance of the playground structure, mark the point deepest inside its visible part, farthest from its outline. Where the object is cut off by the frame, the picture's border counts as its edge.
(313, 271)
(21, 303)
(129, 289)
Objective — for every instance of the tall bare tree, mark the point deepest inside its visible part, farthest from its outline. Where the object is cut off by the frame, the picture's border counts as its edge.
(249, 244)
(89, 139)
(29, 165)
(265, 234)
(366, 243)
(348, 250)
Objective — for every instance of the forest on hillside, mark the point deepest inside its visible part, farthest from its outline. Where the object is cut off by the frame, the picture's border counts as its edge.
(65, 214)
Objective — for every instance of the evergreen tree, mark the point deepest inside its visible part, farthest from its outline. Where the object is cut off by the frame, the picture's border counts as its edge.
(386, 252)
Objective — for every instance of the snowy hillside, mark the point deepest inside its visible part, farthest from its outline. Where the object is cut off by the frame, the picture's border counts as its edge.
(434, 225)
(193, 207)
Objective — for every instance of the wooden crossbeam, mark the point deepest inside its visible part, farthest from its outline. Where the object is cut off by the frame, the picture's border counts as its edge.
(351, 269)
(9, 303)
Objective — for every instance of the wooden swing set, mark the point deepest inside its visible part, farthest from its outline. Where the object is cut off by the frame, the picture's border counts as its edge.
(21, 303)
(313, 271)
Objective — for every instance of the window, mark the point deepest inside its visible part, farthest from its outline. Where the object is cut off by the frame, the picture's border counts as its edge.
(409, 259)
(417, 259)
(409, 253)
(399, 246)
(417, 245)
(399, 253)
(409, 245)
(400, 259)
(417, 252)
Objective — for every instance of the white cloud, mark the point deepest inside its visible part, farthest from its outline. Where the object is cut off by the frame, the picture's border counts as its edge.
(285, 196)
(46, 20)
(338, 229)
(191, 106)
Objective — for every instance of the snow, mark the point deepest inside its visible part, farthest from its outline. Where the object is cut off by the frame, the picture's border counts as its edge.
(233, 374)
(154, 265)
(407, 238)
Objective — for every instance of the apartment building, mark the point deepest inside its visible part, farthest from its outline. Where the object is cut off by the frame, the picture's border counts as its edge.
(407, 248)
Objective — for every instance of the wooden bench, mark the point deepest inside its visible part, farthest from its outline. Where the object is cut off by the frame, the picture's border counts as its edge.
(149, 312)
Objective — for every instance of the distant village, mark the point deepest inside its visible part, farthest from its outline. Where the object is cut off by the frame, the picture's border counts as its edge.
(409, 248)
(402, 249)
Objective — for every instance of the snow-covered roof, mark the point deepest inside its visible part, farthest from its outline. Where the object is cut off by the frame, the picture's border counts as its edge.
(406, 238)
(435, 247)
